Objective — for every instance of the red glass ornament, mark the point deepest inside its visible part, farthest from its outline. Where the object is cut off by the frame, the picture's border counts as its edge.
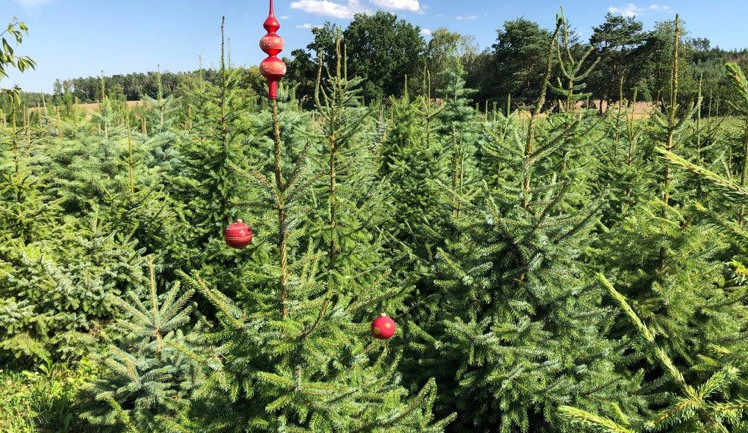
(383, 327)
(272, 44)
(238, 235)
(272, 68)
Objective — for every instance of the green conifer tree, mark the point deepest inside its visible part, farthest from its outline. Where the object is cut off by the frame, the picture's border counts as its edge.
(148, 377)
(512, 329)
(671, 264)
(296, 355)
(58, 262)
(665, 258)
(712, 406)
(201, 175)
(352, 224)
(412, 161)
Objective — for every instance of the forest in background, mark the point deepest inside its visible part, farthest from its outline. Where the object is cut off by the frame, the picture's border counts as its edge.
(630, 60)
(549, 270)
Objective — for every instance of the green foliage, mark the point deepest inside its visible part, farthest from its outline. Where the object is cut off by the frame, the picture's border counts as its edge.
(511, 328)
(520, 53)
(295, 355)
(44, 401)
(704, 408)
(350, 224)
(411, 160)
(58, 292)
(147, 377)
(741, 84)
(445, 51)
(574, 66)
(483, 233)
(384, 51)
(616, 42)
(304, 375)
(381, 49)
(8, 58)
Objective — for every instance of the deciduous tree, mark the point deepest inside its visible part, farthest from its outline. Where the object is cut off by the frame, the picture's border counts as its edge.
(384, 51)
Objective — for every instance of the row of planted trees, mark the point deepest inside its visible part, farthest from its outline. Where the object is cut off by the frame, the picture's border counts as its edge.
(550, 272)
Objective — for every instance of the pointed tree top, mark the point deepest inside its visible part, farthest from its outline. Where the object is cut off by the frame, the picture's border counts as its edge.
(271, 24)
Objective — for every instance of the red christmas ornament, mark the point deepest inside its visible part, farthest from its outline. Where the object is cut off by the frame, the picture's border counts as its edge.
(272, 44)
(272, 68)
(383, 327)
(238, 235)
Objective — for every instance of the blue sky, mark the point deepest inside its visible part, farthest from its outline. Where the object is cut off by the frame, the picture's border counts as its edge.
(74, 38)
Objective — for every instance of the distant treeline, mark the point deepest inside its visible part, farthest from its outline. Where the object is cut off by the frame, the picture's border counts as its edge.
(629, 61)
(135, 86)
(388, 53)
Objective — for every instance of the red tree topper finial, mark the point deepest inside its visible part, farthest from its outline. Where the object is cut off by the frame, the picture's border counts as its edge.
(272, 68)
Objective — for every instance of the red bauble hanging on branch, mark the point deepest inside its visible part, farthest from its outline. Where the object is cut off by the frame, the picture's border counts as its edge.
(238, 235)
(383, 327)
(272, 68)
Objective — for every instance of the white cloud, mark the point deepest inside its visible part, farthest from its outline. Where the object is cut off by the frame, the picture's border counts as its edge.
(426, 32)
(345, 9)
(330, 8)
(307, 26)
(632, 10)
(285, 17)
(399, 5)
(466, 17)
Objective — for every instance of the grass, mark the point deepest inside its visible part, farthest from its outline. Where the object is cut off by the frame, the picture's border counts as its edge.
(44, 400)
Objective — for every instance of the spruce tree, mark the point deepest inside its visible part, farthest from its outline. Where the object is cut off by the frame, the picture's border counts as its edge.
(217, 126)
(60, 258)
(666, 259)
(296, 356)
(149, 375)
(201, 174)
(353, 223)
(573, 69)
(669, 262)
(413, 163)
(512, 328)
(711, 406)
